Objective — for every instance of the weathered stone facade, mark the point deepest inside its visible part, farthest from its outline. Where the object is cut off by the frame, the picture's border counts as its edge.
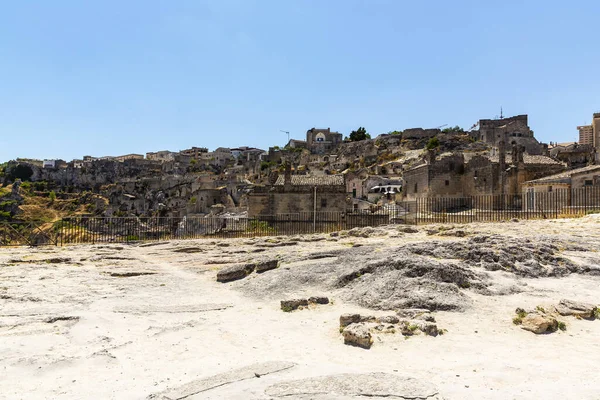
(459, 175)
(574, 155)
(511, 130)
(321, 141)
(292, 194)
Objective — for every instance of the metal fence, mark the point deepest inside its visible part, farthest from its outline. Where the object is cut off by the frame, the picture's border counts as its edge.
(538, 204)
(106, 229)
(548, 203)
(30, 233)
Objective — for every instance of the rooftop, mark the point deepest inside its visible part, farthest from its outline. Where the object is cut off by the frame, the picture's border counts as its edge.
(566, 176)
(306, 180)
(527, 159)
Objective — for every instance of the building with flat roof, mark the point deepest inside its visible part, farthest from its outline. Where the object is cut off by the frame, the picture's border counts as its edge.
(586, 134)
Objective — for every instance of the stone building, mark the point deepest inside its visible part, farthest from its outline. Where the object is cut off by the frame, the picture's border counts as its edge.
(292, 194)
(322, 141)
(510, 130)
(590, 134)
(457, 175)
(163, 155)
(125, 157)
(195, 152)
(572, 179)
(574, 155)
(574, 188)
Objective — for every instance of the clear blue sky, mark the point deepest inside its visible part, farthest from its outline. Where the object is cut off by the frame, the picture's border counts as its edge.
(110, 77)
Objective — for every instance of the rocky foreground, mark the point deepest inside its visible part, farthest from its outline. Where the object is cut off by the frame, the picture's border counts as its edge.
(481, 311)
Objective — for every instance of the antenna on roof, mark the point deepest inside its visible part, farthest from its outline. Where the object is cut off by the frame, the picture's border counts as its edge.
(288, 133)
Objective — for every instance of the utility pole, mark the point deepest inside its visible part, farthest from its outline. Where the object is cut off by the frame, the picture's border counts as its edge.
(288, 133)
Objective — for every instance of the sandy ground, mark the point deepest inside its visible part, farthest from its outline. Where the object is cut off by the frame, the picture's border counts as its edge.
(71, 330)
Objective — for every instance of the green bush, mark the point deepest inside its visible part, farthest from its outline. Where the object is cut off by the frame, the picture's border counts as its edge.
(433, 143)
(52, 196)
(6, 204)
(259, 226)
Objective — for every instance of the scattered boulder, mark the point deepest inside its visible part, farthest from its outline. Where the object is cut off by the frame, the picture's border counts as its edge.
(427, 328)
(576, 309)
(357, 335)
(539, 323)
(347, 319)
(267, 265)
(234, 272)
(291, 305)
(318, 300)
(408, 229)
(388, 319)
(406, 328)
(412, 313)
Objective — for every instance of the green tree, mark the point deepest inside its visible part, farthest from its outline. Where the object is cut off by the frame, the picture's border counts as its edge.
(456, 129)
(359, 134)
(52, 196)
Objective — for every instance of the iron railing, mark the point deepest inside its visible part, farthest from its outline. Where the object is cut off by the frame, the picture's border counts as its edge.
(534, 204)
(27, 233)
(106, 229)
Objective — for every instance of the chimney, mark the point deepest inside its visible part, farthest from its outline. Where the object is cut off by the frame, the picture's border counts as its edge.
(501, 153)
(287, 177)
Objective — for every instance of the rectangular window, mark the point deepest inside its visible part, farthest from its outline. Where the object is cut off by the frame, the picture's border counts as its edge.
(549, 189)
(588, 182)
(323, 203)
(447, 183)
(416, 187)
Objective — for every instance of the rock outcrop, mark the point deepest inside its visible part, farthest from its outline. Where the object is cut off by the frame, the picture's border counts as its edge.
(234, 272)
(357, 335)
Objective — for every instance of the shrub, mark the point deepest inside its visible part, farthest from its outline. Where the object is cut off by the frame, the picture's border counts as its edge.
(433, 143)
(52, 196)
(562, 326)
(259, 226)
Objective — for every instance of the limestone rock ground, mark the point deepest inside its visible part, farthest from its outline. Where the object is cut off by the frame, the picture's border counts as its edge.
(151, 320)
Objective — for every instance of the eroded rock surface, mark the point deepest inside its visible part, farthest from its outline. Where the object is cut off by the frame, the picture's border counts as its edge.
(350, 386)
(205, 384)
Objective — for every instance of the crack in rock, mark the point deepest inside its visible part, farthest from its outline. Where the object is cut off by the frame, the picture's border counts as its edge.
(226, 378)
(191, 308)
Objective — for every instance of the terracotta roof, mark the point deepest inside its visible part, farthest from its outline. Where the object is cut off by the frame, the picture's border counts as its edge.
(307, 180)
(565, 176)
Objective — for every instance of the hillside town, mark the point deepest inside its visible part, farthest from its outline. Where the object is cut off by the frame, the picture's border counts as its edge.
(323, 172)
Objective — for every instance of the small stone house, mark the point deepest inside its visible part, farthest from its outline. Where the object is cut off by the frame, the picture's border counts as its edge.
(574, 188)
(291, 194)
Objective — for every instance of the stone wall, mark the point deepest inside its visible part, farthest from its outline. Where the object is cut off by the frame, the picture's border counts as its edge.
(274, 200)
